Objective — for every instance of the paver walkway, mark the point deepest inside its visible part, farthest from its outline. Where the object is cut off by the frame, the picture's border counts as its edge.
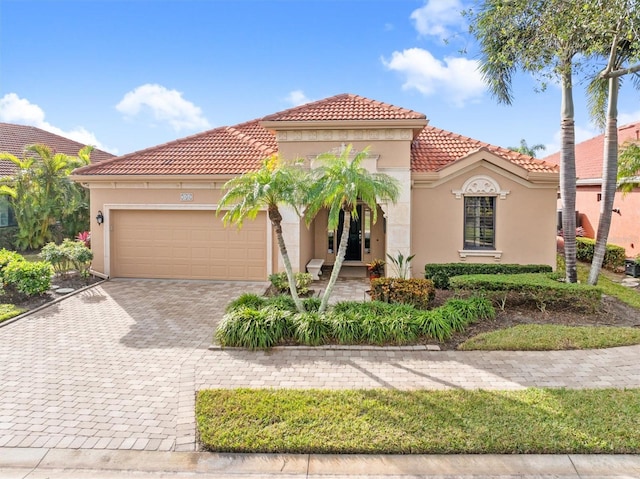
(116, 367)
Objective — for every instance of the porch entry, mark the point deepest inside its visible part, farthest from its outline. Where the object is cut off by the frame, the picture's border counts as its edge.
(360, 236)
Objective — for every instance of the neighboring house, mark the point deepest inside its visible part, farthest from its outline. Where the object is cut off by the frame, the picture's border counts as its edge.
(460, 200)
(14, 139)
(624, 229)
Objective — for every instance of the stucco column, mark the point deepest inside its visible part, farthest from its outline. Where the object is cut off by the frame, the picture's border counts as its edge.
(291, 233)
(398, 218)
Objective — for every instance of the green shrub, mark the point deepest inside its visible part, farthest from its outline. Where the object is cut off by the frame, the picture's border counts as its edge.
(440, 273)
(613, 258)
(28, 278)
(541, 288)
(254, 328)
(311, 329)
(414, 291)
(249, 300)
(346, 328)
(68, 256)
(281, 282)
(7, 256)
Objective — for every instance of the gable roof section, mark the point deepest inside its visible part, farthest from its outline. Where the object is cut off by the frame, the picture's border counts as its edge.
(14, 139)
(589, 153)
(345, 107)
(238, 149)
(435, 149)
(221, 151)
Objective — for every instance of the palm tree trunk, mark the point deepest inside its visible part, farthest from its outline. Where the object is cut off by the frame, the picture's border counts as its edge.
(276, 221)
(609, 175)
(568, 176)
(342, 251)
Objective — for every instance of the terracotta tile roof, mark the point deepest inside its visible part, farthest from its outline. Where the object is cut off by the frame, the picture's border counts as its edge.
(14, 138)
(240, 148)
(221, 151)
(589, 153)
(343, 108)
(433, 149)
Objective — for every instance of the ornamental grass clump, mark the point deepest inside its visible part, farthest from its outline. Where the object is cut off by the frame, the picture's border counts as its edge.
(249, 300)
(254, 328)
(346, 328)
(311, 329)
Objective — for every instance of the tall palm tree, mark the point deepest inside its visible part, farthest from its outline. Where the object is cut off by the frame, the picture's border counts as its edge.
(275, 183)
(340, 182)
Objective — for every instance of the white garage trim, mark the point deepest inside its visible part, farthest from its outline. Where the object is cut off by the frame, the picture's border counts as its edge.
(108, 207)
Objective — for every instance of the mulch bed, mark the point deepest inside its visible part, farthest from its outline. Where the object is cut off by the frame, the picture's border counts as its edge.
(65, 281)
(613, 313)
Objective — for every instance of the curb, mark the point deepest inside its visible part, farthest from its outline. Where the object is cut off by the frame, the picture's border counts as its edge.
(333, 347)
(50, 303)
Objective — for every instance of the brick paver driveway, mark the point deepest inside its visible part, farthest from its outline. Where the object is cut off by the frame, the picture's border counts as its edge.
(112, 367)
(116, 367)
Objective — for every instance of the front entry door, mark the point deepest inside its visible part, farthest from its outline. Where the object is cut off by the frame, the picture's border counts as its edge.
(354, 245)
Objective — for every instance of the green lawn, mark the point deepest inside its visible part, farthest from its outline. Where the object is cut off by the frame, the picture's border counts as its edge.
(552, 337)
(8, 311)
(532, 421)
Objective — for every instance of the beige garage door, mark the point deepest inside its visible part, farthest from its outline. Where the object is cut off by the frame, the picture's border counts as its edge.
(186, 245)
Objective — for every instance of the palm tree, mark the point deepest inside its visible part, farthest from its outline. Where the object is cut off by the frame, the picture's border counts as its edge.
(543, 38)
(339, 184)
(525, 149)
(42, 194)
(275, 183)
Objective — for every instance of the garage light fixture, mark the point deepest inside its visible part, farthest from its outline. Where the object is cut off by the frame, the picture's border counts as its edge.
(100, 217)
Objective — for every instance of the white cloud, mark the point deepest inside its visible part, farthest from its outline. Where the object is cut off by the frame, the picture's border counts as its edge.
(21, 111)
(297, 98)
(624, 118)
(165, 105)
(455, 77)
(436, 17)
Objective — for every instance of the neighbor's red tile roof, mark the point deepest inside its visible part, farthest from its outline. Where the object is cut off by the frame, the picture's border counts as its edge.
(345, 107)
(14, 138)
(241, 148)
(434, 149)
(589, 153)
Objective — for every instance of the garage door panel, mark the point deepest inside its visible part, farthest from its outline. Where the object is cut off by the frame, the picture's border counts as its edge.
(186, 244)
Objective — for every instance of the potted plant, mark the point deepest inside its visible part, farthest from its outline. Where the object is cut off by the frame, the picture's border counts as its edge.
(375, 268)
(632, 267)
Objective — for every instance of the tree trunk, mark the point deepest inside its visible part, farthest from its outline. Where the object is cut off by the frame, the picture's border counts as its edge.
(342, 251)
(609, 176)
(276, 221)
(568, 176)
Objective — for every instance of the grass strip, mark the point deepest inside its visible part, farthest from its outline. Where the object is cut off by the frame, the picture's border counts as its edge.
(552, 337)
(630, 296)
(8, 311)
(380, 421)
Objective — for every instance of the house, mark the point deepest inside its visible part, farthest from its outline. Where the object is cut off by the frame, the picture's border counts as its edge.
(624, 229)
(14, 139)
(461, 199)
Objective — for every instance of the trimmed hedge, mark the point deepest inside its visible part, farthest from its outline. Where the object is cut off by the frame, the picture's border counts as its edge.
(440, 273)
(544, 289)
(614, 255)
(414, 291)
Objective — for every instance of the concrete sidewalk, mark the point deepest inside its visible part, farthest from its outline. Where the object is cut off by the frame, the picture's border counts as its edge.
(35, 463)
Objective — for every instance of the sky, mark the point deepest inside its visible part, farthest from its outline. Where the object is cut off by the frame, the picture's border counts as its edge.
(127, 75)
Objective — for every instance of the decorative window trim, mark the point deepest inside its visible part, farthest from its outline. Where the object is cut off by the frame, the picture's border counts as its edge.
(495, 254)
(481, 185)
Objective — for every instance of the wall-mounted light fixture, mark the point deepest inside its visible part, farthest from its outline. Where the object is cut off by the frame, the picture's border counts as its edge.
(100, 217)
